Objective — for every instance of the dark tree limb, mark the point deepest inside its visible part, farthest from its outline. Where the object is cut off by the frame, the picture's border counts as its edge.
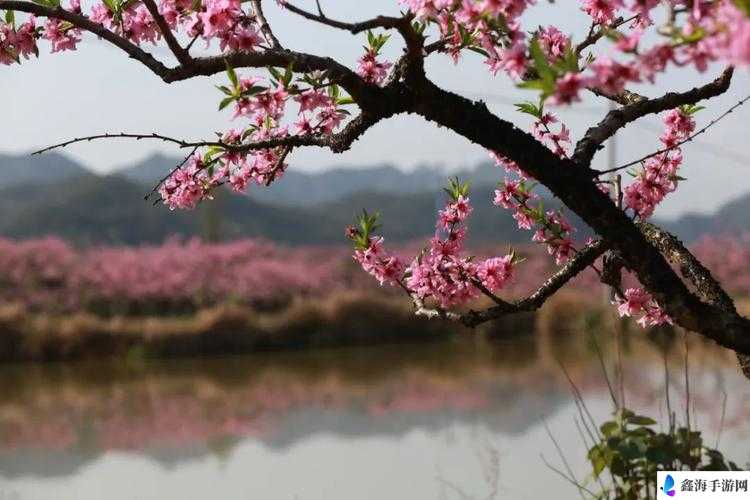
(691, 268)
(572, 183)
(616, 119)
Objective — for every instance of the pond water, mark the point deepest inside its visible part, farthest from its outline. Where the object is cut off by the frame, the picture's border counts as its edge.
(458, 419)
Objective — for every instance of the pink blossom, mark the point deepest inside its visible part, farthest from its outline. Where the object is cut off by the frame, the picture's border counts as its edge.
(554, 42)
(602, 11)
(633, 302)
(371, 70)
(495, 272)
(219, 17)
(62, 38)
(568, 88)
(610, 76)
(311, 99)
(240, 39)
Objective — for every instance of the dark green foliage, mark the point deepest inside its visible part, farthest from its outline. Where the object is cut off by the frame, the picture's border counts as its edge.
(630, 452)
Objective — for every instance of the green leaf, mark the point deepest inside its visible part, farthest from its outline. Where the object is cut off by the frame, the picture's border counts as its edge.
(609, 428)
(333, 92)
(111, 5)
(640, 420)
(224, 89)
(288, 75)
(344, 101)
(691, 109)
(250, 91)
(544, 70)
(10, 17)
(275, 73)
(225, 102)
(232, 76)
(529, 108)
(532, 85)
(479, 50)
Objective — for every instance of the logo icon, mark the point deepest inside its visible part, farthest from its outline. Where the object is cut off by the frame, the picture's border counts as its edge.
(668, 487)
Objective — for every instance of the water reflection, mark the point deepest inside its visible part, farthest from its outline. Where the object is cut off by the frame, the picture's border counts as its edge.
(400, 421)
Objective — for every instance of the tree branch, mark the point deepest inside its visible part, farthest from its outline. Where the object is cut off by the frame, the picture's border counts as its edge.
(691, 268)
(624, 98)
(574, 185)
(337, 143)
(584, 258)
(385, 22)
(595, 35)
(84, 23)
(414, 41)
(181, 54)
(682, 142)
(616, 119)
(265, 28)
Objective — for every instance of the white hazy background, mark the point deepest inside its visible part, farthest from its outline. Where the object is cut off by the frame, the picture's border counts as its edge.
(97, 89)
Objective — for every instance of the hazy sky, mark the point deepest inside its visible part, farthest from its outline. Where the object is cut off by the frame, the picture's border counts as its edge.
(97, 89)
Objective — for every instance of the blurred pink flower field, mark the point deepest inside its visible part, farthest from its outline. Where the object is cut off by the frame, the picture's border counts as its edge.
(182, 277)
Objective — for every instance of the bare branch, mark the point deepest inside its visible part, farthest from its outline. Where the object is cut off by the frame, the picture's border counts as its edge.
(337, 143)
(127, 135)
(624, 98)
(619, 118)
(385, 22)
(265, 28)
(414, 41)
(595, 35)
(684, 141)
(171, 172)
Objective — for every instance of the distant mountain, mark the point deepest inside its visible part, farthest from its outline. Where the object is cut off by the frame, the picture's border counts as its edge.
(41, 169)
(51, 194)
(733, 217)
(149, 170)
(301, 189)
(111, 210)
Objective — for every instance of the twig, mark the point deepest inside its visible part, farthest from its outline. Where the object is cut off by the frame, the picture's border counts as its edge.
(570, 480)
(616, 119)
(562, 456)
(265, 28)
(688, 139)
(175, 169)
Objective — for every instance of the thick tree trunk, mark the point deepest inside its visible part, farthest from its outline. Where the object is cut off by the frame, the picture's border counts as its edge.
(574, 185)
